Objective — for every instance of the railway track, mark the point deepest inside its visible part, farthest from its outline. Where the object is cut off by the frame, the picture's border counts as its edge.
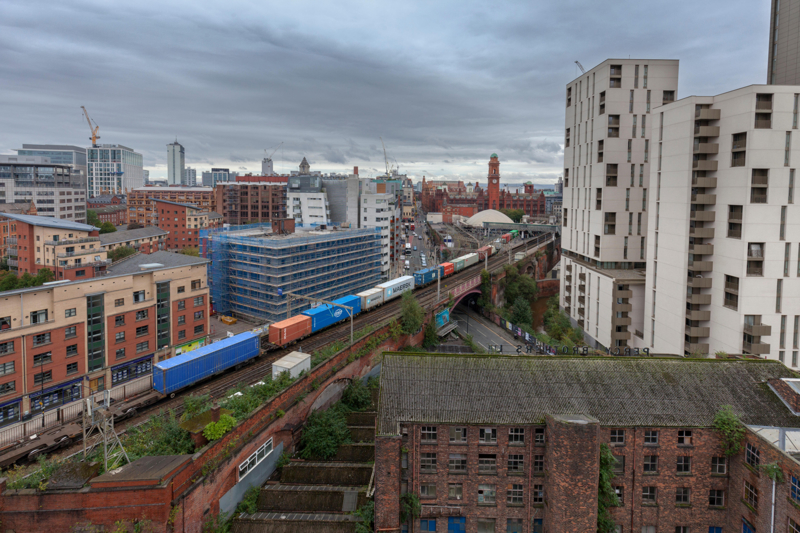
(261, 367)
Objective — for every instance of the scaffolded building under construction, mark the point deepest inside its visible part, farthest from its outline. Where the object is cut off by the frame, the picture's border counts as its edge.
(252, 269)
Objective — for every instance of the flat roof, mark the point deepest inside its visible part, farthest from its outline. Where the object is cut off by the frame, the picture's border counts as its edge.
(153, 468)
(134, 263)
(175, 189)
(192, 206)
(131, 235)
(50, 222)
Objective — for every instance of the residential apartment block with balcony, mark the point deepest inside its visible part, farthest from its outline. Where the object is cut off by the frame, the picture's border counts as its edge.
(723, 267)
(607, 156)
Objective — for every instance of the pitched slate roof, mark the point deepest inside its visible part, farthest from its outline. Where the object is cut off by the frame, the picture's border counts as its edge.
(131, 235)
(618, 391)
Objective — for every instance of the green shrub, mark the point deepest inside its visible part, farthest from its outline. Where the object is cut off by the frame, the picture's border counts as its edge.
(357, 396)
(195, 404)
(410, 508)
(323, 433)
(215, 430)
(366, 515)
(249, 503)
(731, 430)
(160, 435)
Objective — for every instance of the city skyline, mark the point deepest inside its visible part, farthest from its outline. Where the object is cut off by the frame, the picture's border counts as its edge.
(444, 87)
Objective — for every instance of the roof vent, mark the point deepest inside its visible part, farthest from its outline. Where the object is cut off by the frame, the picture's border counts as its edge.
(150, 266)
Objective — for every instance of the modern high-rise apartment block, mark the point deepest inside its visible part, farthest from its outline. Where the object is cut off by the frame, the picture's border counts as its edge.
(607, 157)
(113, 169)
(189, 177)
(56, 190)
(217, 175)
(784, 43)
(176, 164)
(723, 272)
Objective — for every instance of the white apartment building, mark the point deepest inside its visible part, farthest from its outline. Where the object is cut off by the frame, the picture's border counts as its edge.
(113, 169)
(308, 207)
(379, 210)
(189, 177)
(723, 270)
(176, 164)
(55, 189)
(607, 152)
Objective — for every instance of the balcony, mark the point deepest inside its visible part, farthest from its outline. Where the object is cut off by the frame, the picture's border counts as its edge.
(698, 299)
(702, 181)
(758, 330)
(701, 233)
(581, 323)
(13, 262)
(93, 264)
(732, 287)
(739, 145)
(753, 269)
(758, 197)
(706, 131)
(695, 315)
(706, 114)
(12, 251)
(567, 299)
(613, 121)
(582, 300)
(582, 276)
(623, 294)
(621, 308)
(704, 199)
(763, 123)
(699, 283)
(755, 348)
(568, 277)
(620, 335)
(698, 331)
(759, 180)
(73, 241)
(11, 240)
(581, 311)
(706, 148)
(764, 104)
(569, 267)
(702, 216)
(567, 309)
(705, 165)
(696, 347)
(701, 249)
(80, 252)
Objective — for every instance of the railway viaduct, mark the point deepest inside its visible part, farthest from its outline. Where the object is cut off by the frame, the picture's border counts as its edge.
(180, 493)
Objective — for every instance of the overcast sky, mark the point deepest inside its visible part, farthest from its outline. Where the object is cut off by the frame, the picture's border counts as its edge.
(445, 83)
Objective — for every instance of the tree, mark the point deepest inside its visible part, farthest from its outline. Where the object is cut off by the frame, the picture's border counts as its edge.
(92, 219)
(431, 338)
(107, 227)
(514, 214)
(412, 315)
(120, 253)
(190, 250)
(27, 280)
(44, 275)
(517, 285)
(134, 225)
(521, 312)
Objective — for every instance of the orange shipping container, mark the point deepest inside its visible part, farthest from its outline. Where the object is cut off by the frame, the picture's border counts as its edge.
(449, 268)
(289, 330)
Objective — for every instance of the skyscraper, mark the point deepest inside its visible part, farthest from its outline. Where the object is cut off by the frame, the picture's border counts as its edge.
(189, 177)
(113, 169)
(176, 162)
(783, 67)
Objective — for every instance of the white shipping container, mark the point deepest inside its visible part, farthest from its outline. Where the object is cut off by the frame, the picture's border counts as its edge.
(396, 287)
(293, 363)
(370, 298)
(470, 259)
(519, 256)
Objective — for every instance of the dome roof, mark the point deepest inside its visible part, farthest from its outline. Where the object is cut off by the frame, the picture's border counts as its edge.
(490, 215)
(494, 155)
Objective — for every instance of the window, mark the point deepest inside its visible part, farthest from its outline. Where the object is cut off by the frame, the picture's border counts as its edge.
(618, 436)
(486, 525)
(42, 359)
(750, 495)
(514, 525)
(427, 463)
(457, 463)
(198, 329)
(684, 437)
(514, 494)
(516, 436)
(455, 491)
(42, 338)
(43, 377)
(719, 465)
(650, 463)
(427, 524)
(487, 436)
(716, 498)
(538, 464)
(119, 320)
(684, 465)
(181, 289)
(259, 455)
(6, 348)
(198, 315)
(120, 353)
(72, 349)
(487, 463)
(142, 346)
(138, 297)
(427, 490)
(538, 494)
(794, 489)
(196, 284)
(793, 527)
(538, 436)
(181, 320)
(70, 332)
(752, 456)
(429, 434)
(119, 302)
(141, 315)
(6, 368)
(181, 305)
(681, 529)
(486, 494)
(619, 466)
(682, 496)
(651, 437)
(198, 301)
(70, 312)
(119, 337)
(648, 495)
(5, 388)
(182, 334)
(39, 317)
(620, 492)
(72, 368)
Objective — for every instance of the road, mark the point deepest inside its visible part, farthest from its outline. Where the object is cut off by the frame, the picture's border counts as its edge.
(483, 332)
(423, 245)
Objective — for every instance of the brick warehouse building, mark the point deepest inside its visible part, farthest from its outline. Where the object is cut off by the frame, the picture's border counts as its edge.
(184, 222)
(141, 201)
(495, 444)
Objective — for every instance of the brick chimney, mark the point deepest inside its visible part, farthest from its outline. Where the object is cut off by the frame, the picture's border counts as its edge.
(355, 171)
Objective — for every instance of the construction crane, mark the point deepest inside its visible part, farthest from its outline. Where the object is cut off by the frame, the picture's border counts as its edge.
(273, 152)
(385, 158)
(94, 130)
(583, 70)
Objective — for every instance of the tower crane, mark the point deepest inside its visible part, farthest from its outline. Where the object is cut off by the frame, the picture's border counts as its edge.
(385, 158)
(583, 70)
(273, 152)
(94, 130)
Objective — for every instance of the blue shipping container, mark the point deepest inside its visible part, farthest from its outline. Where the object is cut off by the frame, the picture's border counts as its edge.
(426, 275)
(326, 314)
(184, 370)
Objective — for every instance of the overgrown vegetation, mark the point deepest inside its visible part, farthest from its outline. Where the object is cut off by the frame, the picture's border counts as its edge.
(366, 517)
(773, 471)
(606, 497)
(431, 339)
(731, 430)
(36, 480)
(558, 327)
(521, 312)
(249, 503)
(474, 346)
(134, 225)
(410, 508)
(485, 299)
(518, 285)
(357, 396)
(190, 250)
(324, 432)
(216, 430)
(160, 435)
(412, 314)
(252, 397)
(121, 253)
(9, 281)
(194, 405)
(514, 214)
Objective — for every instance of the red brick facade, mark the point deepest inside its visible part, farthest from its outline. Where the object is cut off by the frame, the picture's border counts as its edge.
(117, 215)
(249, 201)
(183, 222)
(141, 201)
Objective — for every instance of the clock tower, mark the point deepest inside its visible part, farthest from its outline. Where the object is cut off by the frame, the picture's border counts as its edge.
(494, 182)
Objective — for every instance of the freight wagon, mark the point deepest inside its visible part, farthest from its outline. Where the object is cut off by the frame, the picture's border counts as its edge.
(289, 330)
(189, 368)
(514, 233)
(470, 259)
(370, 298)
(448, 269)
(506, 237)
(427, 275)
(396, 287)
(458, 264)
(485, 252)
(326, 314)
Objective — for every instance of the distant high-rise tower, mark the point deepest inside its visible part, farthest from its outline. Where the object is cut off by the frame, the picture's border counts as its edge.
(783, 67)
(266, 167)
(189, 177)
(176, 159)
(494, 182)
(560, 185)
